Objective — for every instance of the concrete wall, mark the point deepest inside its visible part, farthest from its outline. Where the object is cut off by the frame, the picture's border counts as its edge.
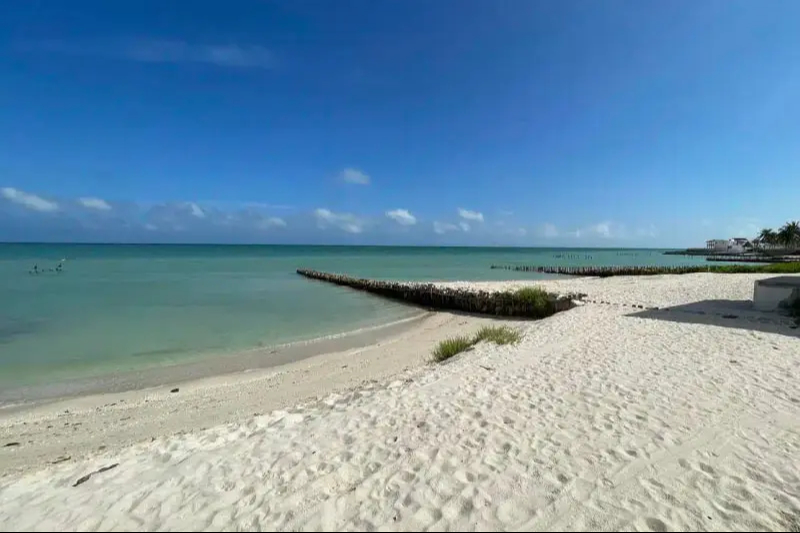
(774, 297)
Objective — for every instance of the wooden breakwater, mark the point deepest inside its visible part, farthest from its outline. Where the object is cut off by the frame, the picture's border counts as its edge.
(606, 271)
(749, 259)
(510, 303)
(691, 251)
(711, 255)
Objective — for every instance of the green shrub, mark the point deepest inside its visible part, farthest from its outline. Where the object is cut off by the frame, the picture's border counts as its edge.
(770, 268)
(538, 301)
(782, 268)
(534, 295)
(450, 347)
(498, 335)
(454, 346)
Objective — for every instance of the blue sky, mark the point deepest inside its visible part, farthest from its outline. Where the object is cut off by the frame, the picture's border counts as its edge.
(399, 122)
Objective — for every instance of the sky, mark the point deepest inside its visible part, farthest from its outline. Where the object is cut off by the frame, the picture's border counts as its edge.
(454, 122)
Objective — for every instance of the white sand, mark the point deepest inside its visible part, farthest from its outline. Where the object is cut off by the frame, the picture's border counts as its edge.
(598, 419)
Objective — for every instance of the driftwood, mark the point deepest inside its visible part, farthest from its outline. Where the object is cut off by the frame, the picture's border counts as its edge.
(85, 478)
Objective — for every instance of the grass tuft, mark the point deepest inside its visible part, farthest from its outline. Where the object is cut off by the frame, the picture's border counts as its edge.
(498, 335)
(456, 345)
(450, 347)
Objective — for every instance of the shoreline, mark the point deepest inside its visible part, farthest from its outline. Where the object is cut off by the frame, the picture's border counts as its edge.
(84, 425)
(609, 416)
(257, 358)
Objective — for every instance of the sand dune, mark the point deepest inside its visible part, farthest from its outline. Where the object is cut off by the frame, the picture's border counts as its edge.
(598, 419)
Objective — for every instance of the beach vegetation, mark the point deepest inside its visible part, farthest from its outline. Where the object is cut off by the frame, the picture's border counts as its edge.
(786, 239)
(451, 347)
(789, 235)
(767, 237)
(539, 302)
(497, 334)
(532, 295)
(771, 268)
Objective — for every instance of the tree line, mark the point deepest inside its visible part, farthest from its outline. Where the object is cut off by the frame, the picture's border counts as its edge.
(787, 236)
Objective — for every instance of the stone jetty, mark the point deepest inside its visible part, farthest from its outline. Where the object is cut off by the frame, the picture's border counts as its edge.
(606, 271)
(428, 295)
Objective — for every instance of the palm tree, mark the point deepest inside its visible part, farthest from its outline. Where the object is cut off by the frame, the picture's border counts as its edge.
(789, 235)
(767, 236)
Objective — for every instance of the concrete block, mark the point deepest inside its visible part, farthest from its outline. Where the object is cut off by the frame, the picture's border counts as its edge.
(777, 293)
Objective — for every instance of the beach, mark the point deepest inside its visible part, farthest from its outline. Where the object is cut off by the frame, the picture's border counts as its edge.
(611, 416)
(139, 310)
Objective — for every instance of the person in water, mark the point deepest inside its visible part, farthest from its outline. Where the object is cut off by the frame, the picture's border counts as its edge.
(34, 270)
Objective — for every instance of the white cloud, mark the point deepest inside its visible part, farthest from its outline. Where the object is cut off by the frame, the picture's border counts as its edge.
(550, 231)
(94, 203)
(27, 200)
(195, 210)
(466, 214)
(443, 227)
(355, 176)
(151, 227)
(344, 221)
(273, 222)
(402, 217)
(464, 226)
(603, 229)
(180, 215)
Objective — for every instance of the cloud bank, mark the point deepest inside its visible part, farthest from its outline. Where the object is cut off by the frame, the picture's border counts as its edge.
(28, 201)
(28, 216)
(346, 222)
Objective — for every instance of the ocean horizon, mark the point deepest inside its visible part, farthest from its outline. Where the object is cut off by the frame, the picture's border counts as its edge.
(127, 307)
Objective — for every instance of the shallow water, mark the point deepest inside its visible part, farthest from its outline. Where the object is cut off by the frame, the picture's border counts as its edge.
(128, 307)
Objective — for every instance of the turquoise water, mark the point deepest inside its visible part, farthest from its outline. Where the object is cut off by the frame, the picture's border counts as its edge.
(125, 307)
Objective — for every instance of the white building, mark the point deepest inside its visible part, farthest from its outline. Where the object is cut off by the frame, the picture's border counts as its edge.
(717, 245)
(736, 245)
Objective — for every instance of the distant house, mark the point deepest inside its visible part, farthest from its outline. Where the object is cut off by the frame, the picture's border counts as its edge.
(717, 245)
(736, 245)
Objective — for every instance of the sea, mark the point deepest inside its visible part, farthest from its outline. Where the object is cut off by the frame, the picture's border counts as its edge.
(115, 308)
